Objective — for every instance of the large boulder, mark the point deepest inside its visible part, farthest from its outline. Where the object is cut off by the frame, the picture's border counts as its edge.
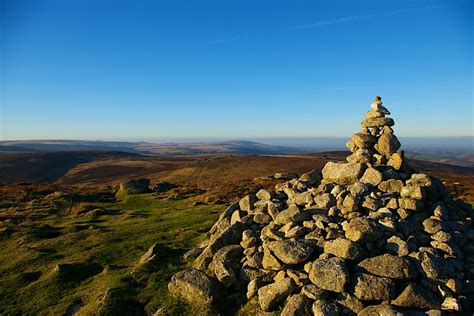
(343, 173)
(136, 186)
(195, 287)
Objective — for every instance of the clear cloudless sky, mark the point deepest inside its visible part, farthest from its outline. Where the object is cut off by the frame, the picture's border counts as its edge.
(144, 70)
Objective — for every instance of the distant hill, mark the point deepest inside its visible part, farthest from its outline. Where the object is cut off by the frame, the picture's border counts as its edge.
(66, 145)
(434, 149)
(48, 166)
(235, 147)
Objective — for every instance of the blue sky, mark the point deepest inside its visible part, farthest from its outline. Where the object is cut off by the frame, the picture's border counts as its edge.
(144, 70)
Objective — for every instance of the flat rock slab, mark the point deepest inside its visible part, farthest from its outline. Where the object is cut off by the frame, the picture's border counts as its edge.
(378, 122)
(389, 266)
(291, 251)
(343, 173)
(330, 274)
(373, 288)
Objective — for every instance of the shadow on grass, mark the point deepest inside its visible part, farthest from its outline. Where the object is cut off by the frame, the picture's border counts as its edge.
(45, 232)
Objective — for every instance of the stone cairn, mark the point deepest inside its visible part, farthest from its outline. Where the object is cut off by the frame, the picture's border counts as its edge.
(369, 236)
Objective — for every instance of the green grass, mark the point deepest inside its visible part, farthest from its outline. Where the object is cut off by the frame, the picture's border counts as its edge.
(105, 250)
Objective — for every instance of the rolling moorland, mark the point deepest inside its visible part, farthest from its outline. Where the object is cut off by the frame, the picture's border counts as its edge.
(78, 242)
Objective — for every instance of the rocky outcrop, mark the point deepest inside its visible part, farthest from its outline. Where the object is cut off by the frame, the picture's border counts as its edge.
(136, 186)
(369, 236)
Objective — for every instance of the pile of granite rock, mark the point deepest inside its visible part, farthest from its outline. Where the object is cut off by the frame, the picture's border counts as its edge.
(369, 236)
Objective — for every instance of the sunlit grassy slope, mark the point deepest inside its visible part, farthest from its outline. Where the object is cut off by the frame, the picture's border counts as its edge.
(105, 250)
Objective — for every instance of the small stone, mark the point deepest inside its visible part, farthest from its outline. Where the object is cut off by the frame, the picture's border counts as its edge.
(262, 218)
(152, 254)
(269, 261)
(392, 204)
(280, 276)
(344, 248)
(451, 304)
(236, 217)
(379, 310)
(363, 230)
(247, 203)
(311, 178)
(410, 204)
(325, 308)
(403, 213)
(291, 251)
(350, 203)
(398, 246)
(297, 304)
(420, 179)
(387, 144)
(386, 130)
(291, 214)
(325, 201)
(350, 303)
(253, 287)
(363, 140)
(248, 243)
(296, 231)
(413, 192)
(300, 278)
(351, 145)
(314, 292)
(265, 195)
(372, 176)
(432, 226)
(255, 260)
(391, 186)
(224, 273)
(396, 160)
